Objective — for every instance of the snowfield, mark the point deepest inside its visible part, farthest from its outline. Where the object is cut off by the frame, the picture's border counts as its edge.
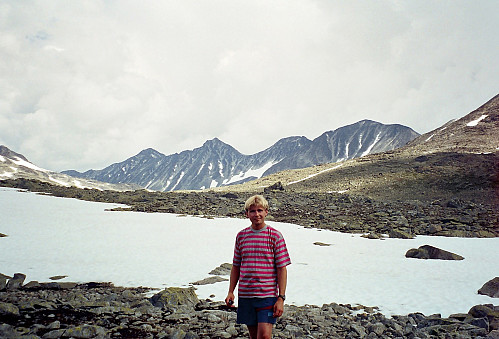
(50, 236)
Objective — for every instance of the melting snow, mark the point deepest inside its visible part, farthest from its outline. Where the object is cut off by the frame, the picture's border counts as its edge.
(254, 172)
(21, 162)
(59, 181)
(6, 174)
(78, 184)
(372, 145)
(2, 158)
(200, 169)
(475, 122)
(220, 169)
(313, 175)
(178, 181)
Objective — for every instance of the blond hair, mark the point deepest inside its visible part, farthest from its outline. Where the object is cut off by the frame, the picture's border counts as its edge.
(256, 200)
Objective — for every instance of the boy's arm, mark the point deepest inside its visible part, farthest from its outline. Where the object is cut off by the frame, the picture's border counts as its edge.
(282, 281)
(234, 278)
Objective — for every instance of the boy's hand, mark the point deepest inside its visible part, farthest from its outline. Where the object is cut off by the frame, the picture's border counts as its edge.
(229, 300)
(278, 308)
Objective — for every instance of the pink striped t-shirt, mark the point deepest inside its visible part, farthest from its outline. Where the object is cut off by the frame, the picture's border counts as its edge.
(258, 253)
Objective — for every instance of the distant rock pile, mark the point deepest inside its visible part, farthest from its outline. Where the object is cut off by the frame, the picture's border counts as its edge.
(102, 310)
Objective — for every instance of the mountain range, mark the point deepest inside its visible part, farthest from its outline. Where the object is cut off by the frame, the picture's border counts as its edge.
(216, 163)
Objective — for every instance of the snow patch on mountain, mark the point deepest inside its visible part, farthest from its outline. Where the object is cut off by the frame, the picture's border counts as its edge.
(369, 149)
(21, 162)
(475, 122)
(251, 173)
(315, 174)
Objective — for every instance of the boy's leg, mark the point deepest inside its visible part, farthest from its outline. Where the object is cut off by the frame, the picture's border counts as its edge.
(262, 331)
(253, 331)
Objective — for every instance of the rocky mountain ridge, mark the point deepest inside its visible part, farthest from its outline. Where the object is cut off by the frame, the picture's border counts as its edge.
(216, 164)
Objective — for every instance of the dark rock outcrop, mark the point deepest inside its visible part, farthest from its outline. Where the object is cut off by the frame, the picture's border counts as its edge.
(430, 252)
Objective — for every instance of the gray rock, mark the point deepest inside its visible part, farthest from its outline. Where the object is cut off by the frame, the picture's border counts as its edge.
(32, 285)
(3, 283)
(8, 331)
(377, 328)
(58, 333)
(490, 288)
(430, 252)
(223, 269)
(16, 282)
(210, 280)
(175, 296)
(494, 334)
(9, 310)
(85, 331)
(318, 243)
(396, 233)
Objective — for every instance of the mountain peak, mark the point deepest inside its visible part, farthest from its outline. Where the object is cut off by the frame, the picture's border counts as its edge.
(6, 152)
(150, 152)
(214, 141)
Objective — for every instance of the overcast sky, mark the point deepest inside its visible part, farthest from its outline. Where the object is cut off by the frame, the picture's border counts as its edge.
(84, 84)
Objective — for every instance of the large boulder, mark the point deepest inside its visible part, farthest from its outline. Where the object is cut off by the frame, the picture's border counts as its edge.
(430, 252)
(490, 288)
(172, 297)
(16, 282)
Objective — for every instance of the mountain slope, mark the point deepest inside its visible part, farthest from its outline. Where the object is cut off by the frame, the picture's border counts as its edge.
(476, 132)
(14, 165)
(459, 160)
(217, 164)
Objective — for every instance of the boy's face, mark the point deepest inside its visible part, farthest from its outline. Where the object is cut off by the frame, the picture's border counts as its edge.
(256, 215)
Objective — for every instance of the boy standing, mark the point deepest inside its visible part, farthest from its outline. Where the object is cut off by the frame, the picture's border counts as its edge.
(259, 265)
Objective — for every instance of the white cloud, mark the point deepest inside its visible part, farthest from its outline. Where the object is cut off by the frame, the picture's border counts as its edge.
(86, 84)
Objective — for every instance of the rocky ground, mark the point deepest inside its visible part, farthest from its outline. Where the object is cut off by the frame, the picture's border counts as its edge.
(101, 310)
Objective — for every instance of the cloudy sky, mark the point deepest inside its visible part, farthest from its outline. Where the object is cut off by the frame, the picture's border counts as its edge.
(84, 84)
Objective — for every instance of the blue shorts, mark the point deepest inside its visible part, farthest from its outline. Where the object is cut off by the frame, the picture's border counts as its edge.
(251, 311)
